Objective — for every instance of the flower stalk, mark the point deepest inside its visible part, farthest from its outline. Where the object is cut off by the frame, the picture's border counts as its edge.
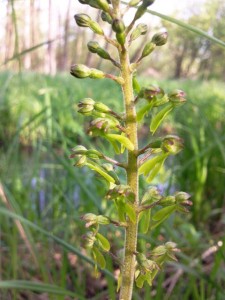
(121, 131)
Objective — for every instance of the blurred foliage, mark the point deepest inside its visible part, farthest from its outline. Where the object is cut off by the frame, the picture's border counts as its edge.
(39, 125)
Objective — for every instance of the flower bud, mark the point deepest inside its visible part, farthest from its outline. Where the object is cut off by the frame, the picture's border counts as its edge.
(90, 219)
(121, 191)
(106, 17)
(118, 26)
(94, 154)
(86, 106)
(134, 2)
(151, 196)
(89, 239)
(177, 97)
(100, 107)
(94, 26)
(172, 144)
(93, 46)
(147, 3)
(160, 39)
(96, 74)
(149, 92)
(82, 20)
(80, 71)
(103, 4)
(149, 47)
(182, 197)
(79, 149)
(141, 29)
(102, 220)
(121, 38)
(167, 201)
(139, 13)
(81, 161)
(145, 264)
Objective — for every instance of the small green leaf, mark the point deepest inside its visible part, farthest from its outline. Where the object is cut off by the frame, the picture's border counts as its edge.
(143, 111)
(119, 282)
(164, 213)
(145, 220)
(100, 170)
(121, 139)
(121, 210)
(136, 85)
(159, 117)
(140, 281)
(150, 164)
(130, 212)
(155, 170)
(99, 258)
(103, 242)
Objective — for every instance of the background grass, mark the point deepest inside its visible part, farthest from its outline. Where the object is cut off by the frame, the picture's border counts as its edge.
(42, 191)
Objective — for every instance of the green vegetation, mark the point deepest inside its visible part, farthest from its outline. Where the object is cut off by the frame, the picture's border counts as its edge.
(41, 189)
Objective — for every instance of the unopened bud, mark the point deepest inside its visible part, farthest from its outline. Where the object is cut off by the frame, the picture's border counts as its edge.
(103, 4)
(82, 20)
(90, 219)
(102, 220)
(81, 161)
(147, 3)
(149, 47)
(96, 74)
(149, 92)
(160, 39)
(118, 26)
(94, 26)
(172, 144)
(141, 29)
(93, 46)
(80, 71)
(106, 17)
(101, 107)
(134, 2)
(86, 106)
(167, 201)
(89, 239)
(79, 149)
(177, 97)
(182, 196)
(94, 154)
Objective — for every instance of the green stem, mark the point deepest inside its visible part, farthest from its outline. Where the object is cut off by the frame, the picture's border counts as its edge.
(128, 268)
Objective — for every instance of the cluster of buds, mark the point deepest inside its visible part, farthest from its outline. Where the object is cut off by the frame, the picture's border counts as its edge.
(171, 144)
(102, 125)
(94, 220)
(152, 195)
(165, 253)
(87, 106)
(122, 192)
(145, 270)
(180, 201)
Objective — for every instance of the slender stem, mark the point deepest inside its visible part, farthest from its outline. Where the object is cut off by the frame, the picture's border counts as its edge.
(128, 268)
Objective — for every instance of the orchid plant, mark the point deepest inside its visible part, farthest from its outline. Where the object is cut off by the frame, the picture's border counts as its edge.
(121, 131)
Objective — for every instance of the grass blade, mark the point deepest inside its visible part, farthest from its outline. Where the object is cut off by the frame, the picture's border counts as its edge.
(37, 287)
(58, 240)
